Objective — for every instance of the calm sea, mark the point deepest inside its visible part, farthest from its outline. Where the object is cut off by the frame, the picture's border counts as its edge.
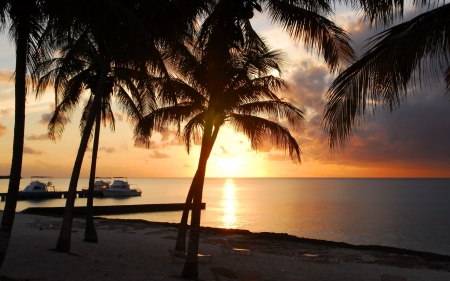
(405, 213)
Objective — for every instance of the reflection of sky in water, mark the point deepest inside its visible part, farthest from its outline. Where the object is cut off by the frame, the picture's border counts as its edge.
(409, 213)
(228, 204)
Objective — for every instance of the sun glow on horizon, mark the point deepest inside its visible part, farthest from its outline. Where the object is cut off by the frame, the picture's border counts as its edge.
(230, 166)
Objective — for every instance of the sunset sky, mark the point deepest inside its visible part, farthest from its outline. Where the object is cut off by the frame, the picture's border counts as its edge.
(413, 141)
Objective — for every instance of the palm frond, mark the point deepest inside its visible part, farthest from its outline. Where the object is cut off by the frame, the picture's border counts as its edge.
(384, 12)
(58, 123)
(128, 106)
(384, 73)
(258, 130)
(275, 109)
(315, 31)
(175, 90)
(447, 79)
(193, 130)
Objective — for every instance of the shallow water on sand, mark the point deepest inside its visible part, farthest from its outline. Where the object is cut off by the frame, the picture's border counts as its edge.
(405, 213)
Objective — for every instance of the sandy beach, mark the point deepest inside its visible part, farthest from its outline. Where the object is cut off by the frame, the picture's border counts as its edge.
(138, 250)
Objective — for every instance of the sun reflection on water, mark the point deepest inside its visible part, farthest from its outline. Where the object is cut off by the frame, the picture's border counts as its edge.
(229, 204)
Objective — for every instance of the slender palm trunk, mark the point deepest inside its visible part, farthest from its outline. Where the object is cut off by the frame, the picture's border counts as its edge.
(90, 235)
(190, 269)
(63, 243)
(182, 228)
(19, 132)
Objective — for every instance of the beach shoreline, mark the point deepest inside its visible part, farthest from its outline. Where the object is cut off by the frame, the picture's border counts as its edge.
(131, 249)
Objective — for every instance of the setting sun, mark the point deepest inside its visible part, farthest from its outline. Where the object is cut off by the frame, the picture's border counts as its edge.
(230, 166)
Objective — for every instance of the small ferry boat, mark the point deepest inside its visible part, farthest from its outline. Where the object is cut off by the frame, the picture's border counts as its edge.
(39, 187)
(121, 187)
(102, 183)
(38, 184)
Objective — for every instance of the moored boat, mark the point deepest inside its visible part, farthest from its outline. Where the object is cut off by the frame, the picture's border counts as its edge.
(38, 184)
(100, 184)
(39, 187)
(120, 187)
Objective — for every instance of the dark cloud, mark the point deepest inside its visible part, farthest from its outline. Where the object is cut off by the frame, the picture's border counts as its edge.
(37, 137)
(29, 150)
(413, 136)
(107, 149)
(6, 112)
(3, 130)
(158, 155)
(46, 117)
(416, 133)
(308, 82)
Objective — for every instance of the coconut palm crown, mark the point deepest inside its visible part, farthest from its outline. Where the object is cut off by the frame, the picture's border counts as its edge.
(247, 102)
(401, 59)
(84, 62)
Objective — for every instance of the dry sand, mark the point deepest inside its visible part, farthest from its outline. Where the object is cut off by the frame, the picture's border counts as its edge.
(138, 250)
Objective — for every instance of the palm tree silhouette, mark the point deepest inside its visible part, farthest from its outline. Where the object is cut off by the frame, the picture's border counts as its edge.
(228, 25)
(399, 57)
(248, 96)
(24, 19)
(78, 69)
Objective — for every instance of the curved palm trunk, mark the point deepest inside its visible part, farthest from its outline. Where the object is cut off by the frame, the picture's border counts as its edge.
(19, 132)
(90, 235)
(63, 243)
(190, 269)
(182, 228)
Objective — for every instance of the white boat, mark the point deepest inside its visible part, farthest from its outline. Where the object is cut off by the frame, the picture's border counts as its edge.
(39, 184)
(100, 184)
(121, 187)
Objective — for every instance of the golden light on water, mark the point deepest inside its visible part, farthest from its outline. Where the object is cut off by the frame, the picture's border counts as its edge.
(229, 204)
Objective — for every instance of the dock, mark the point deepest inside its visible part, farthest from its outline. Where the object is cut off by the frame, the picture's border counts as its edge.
(111, 210)
(49, 195)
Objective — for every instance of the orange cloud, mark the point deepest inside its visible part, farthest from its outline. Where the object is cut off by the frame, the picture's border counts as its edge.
(6, 77)
(158, 155)
(107, 149)
(29, 150)
(38, 137)
(6, 112)
(3, 130)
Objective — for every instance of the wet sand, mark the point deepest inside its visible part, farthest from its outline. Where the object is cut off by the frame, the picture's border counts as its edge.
(138, 250)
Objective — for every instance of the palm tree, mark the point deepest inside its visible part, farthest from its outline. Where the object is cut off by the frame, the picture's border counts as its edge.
(76, 70)
(412, 51)
(246, 98)
(131, 43)
(228, 25)
(104, 114)
(24, 20)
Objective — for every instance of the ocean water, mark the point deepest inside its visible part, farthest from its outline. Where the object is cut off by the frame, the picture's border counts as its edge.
(404, 213)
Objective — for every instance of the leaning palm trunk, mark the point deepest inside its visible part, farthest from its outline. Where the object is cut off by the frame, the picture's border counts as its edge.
(190, 269)
(181, 238)
(90, 235)
(19, 131)
(63, 243)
